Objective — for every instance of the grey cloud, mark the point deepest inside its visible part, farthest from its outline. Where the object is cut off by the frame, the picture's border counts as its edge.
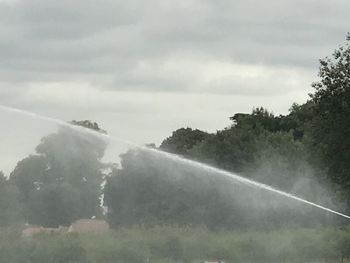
(103, 42)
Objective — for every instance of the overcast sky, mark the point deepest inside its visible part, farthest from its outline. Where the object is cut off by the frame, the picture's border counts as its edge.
(145, 68)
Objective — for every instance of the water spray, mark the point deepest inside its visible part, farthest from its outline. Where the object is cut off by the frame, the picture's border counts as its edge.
(173, 157)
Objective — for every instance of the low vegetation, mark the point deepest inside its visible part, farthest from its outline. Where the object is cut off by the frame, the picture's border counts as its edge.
(173, 244)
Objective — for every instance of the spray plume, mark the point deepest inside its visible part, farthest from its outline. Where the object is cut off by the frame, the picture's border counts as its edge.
(173, 157)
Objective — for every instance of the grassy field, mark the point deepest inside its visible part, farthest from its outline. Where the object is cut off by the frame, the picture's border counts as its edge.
(166, 244)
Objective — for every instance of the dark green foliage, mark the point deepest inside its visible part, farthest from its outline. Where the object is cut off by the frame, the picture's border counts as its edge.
(88, 124)
(231, 149)
(183, 140)
(146, 193)
(61, 183)
(299, 120)
(10, 207)
(260, 119)
(151, 190)
(331, 131)
(27, 172)
(281, 161)
(238, 147)
(54, 205)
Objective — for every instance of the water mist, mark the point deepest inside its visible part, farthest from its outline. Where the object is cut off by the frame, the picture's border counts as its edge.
(174, 158)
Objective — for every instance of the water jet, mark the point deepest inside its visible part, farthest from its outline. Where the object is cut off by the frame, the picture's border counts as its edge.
(174, 157)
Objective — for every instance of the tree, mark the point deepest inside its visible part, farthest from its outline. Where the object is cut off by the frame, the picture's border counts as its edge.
(231, 149)
(183, 140)
(299, 120)
(10, 208)
(62, 181)
(150, 189)
(331, 131)
(260, 119)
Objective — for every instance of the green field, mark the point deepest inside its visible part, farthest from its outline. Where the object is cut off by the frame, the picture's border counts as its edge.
(173, 244)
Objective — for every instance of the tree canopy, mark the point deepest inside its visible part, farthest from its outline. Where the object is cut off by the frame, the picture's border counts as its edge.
(331, 126)
(62, 181)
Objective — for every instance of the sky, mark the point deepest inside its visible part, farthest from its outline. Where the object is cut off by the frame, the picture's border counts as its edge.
(142, 69)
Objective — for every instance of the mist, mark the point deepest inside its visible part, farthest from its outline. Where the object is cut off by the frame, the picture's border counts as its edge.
(174, 132)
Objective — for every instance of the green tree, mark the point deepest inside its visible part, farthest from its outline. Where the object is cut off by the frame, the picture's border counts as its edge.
(150, 189)
(260, 119)
(231, 149)
(331, 131)
(299, 120)
(10, 208)
(183, 140)
(62, 181)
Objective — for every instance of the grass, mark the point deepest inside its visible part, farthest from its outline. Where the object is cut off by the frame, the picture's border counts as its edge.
(169, 244)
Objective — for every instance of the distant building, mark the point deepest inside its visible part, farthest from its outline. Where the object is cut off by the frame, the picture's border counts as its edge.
(89, 226)
(33, 230)
(80, 226)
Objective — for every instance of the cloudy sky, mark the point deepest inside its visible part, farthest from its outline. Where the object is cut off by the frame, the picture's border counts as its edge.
(144, 68)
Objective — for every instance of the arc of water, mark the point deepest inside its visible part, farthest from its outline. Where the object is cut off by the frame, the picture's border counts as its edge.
(174, 157)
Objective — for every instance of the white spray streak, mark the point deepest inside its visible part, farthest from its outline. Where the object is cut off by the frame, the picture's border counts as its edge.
(238, 178)
(173, 157)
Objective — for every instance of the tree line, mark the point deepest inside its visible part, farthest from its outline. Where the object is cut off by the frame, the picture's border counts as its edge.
(304, 152)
